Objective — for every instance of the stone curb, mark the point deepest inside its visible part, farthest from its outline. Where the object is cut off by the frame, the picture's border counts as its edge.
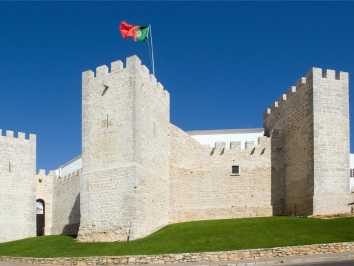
(295, 260)
(264, 256)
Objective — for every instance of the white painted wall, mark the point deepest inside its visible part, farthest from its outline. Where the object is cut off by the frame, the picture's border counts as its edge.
(210, 137)
(351, 160)
(351, 163)
(69, 167)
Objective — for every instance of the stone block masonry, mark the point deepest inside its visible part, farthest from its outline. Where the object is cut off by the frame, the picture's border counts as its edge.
(203, 186)
(17, 186)
(331, 141)
(61, 197)
(139, 172)
(309, 128)
(125, 176)
(66, 199)
(137, 166)
(45, 193)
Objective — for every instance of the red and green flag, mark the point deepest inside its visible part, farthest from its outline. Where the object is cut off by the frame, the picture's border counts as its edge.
(137, 32)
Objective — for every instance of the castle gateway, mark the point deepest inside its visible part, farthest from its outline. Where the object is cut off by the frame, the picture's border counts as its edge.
(138, 172)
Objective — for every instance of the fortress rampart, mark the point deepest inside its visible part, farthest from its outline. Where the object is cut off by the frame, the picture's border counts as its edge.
(138, 172)
(307, 140)
(204, 187)
(17, 185)
(61, 195)
(133, 66)
(10, 136)
(280, 107)
(45, 192)
(125, 153)
(66, 217)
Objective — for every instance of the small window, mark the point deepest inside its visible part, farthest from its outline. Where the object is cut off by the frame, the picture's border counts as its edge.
(236, 170)
(10, 167)
(352, 172)
(154, 129)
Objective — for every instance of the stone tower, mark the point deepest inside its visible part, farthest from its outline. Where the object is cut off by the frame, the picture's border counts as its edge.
(17, 186)
(125, 154)
(309, 130)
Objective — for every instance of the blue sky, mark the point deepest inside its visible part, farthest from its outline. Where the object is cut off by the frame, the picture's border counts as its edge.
(223, 63)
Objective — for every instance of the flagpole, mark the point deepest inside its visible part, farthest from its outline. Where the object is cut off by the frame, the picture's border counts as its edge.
(152, 51)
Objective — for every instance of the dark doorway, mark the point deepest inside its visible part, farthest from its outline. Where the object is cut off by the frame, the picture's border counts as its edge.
(40, 217)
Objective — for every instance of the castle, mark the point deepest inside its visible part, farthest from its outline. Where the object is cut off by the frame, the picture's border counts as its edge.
(138, 172)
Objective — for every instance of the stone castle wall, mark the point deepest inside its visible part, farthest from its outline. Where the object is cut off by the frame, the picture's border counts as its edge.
(289, 123)
(66, 215)
(104, 190)
(17, 186)
(304, 143)
(61, 196)
(331, 141)
(203, 186)
(140, 172)
(124, 189)
(45, 192)
(152, 147)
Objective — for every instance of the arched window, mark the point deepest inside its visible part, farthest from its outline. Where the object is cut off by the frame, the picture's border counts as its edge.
(40, 210)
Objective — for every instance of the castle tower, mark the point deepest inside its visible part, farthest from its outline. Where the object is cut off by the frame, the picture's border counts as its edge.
(125, 154)
(17, 186)
(331, 141)
(309, 130)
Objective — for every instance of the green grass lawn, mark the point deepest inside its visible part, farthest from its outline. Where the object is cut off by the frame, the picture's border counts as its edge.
(197, 236)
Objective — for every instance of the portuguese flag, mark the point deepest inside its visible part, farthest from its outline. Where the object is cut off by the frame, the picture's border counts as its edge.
(138, 33)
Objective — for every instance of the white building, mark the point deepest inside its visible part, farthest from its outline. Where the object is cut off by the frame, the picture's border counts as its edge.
(247, 137)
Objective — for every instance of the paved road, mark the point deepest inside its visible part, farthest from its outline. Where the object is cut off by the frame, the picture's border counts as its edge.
(347, 263)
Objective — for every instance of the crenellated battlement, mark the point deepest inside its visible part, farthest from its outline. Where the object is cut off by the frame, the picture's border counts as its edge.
(43, 174)
(285, 97)
(306, 124)
(330, 74)
(275, 111)
(251, 147)
(10, 135)
(44, 177)
(314, 73)
(103, 70)
(68, 177)
(133, 66)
